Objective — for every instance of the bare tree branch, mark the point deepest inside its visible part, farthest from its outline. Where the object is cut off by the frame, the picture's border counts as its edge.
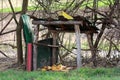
(3, 54)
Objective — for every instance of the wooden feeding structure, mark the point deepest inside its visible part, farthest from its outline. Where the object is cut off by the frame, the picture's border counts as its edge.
(78, 25)
(63, 25)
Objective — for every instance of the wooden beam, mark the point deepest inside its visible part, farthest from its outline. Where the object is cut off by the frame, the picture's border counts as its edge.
(48, 45)
(35, 39)
(78, 44)
(54, 49)
(36, 22)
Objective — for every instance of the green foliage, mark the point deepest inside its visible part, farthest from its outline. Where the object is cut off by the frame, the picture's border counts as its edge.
(6, 10)
(62, 5)
(105, 46)
(85, 45)
(78, 74)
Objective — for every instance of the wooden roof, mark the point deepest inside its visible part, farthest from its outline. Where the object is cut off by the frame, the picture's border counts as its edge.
(64, 25)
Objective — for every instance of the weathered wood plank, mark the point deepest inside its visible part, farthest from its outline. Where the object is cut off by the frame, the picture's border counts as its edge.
(35, 48)
(48, 45)
(55, 22)
(78, 44)
(54, 49)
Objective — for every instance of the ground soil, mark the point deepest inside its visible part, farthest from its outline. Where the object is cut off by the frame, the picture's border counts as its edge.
(7, 63)
(7, 44)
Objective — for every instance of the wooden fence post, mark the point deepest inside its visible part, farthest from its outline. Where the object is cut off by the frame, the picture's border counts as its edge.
(78, 44)
(36, 32)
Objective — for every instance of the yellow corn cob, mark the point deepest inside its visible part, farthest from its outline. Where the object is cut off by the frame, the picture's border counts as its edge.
(67, 16)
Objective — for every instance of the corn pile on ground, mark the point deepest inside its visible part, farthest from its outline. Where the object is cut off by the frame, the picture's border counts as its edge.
(54, 67)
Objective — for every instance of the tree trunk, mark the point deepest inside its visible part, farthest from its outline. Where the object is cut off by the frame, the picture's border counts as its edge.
(19, 45)
(92, 49)
(19, 36)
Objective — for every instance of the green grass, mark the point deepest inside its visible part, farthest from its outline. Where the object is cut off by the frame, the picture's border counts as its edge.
(101, 3)
(5, 10)
(78, 74)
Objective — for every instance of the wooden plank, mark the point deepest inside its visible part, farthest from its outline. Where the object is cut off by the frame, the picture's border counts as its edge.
(48, 45)
(36, 22)
(35, 48)
(78, 44)
(54, 49)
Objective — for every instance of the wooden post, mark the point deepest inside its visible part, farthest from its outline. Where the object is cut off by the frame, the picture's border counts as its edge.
(54, 49)
(78, 44)
(35, 48)
(29, 57)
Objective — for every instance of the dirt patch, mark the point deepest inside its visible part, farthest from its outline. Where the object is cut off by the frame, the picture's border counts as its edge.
(6, 63)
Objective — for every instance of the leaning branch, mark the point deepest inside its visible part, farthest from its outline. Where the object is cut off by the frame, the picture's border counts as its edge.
(7, 32)
(13, 11)
(9, 45)
(6, 25)
(3, 54)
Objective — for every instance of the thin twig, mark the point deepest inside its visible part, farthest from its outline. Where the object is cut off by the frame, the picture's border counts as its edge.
(3, 54)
